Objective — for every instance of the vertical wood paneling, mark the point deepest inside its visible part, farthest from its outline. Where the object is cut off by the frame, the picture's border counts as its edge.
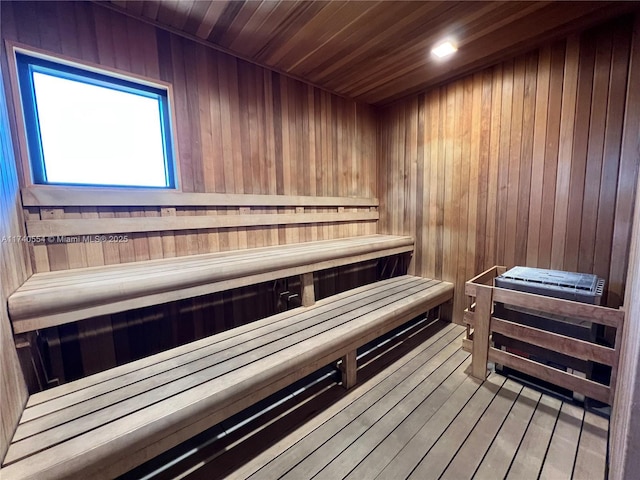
(526, 155)
(529, 165)
(611, 153)
(515, 162)
(239, 128)
(14, 270)
(564, 246)
(503, 160)
(494, 151)
(625, 434)
(551, 157)
(537, 167)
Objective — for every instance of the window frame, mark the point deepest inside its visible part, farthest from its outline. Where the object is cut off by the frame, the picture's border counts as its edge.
(29, 138)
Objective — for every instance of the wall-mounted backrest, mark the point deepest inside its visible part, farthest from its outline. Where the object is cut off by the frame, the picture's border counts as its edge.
(74, 228)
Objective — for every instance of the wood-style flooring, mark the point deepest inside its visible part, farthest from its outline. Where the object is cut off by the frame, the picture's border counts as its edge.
(420, 417)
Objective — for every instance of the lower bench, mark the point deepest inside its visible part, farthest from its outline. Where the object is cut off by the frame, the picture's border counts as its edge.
(106, 424)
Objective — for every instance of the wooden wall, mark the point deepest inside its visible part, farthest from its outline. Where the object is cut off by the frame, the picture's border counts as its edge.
(13, 271)
(239, 128)
(518, 164)
(625, 424)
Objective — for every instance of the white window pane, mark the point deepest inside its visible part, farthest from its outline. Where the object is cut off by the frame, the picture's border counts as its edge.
(97, 135)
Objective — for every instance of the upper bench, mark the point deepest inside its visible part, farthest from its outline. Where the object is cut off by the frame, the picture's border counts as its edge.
(54, 298)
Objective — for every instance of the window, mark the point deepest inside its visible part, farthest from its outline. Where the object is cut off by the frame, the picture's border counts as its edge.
(87, 128)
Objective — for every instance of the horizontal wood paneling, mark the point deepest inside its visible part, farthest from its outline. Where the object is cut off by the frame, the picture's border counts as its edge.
(240, 129)
(517, 165)
(373, 51)
(14, 270)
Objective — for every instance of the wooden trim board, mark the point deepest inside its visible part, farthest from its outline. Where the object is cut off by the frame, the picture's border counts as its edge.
(47, 196)
(593, 313)
(558, 343)
(482, 331)
(552, 375)
(90, 226)
(552, 341)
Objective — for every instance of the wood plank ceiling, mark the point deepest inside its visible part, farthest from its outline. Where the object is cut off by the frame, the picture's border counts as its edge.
(376, 51)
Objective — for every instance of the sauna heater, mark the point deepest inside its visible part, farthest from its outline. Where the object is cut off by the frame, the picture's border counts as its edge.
(578, 287)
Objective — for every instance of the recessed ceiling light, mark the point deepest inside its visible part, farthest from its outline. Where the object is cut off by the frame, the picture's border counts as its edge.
(444, 49)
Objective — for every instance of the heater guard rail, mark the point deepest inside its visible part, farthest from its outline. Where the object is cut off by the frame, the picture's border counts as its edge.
(481, 324)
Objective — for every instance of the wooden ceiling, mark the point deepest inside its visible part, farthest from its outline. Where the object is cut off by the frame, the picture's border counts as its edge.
(373, 51)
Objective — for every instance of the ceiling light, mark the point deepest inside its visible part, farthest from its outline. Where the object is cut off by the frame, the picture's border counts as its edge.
(444, 49)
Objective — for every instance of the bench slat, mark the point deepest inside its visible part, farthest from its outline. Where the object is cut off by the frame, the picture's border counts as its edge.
(161, 387)
(163, 424)
(188, 264)
(181, 364)
(250, 328)
(44, 300)
(65, 277)
(80, 313)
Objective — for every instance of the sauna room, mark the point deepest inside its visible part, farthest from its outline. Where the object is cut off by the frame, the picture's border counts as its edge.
(319, 240)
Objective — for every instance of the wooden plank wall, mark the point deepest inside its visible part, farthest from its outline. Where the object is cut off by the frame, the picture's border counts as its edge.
(13, 271)
(375, 51)
(239, 129)
(625, 424)
(518, 164)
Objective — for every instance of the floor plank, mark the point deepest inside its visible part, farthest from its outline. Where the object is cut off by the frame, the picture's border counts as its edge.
(530, 455)
(498, 459)
(335, 433)
(374, 387)
(411, 454)
(424, 417)
(592, 450)
(558, 464)
(473, 449)
(385, 451)
(349, 457)
(436, 460)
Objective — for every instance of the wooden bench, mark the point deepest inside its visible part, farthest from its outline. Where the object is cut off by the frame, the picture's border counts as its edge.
(110, 422)
(104, 425)
(54, 298)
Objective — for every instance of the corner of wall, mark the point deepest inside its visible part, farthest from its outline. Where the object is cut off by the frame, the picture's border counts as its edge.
(624, 431)
(15, 269)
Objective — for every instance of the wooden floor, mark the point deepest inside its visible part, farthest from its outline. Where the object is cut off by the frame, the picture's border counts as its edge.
(424, 417)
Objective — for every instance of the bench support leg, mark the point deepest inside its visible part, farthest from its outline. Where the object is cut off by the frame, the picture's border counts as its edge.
(308, 293)
(349, 369)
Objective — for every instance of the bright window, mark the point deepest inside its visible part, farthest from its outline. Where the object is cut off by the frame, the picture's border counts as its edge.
(87, 128)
